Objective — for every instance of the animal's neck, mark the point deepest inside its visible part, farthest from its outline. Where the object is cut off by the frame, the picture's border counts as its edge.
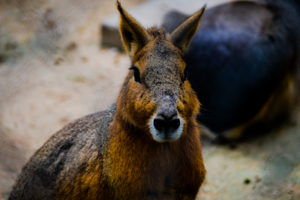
(134, 162)
(150, 164)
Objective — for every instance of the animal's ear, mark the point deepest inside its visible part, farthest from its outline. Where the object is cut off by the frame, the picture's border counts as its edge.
(134, 36)
(182, 36)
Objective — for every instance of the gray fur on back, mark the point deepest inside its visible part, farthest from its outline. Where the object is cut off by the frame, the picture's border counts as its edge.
(57, 159)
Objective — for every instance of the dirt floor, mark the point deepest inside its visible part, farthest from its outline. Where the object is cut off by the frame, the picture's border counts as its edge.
(52, 71)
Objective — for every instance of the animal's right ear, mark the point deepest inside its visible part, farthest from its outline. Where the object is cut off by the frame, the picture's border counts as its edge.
(182, 36)
(134, 36)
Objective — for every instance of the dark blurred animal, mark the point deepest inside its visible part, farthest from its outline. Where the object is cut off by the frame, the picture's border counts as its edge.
(243, 64)
(145, 147)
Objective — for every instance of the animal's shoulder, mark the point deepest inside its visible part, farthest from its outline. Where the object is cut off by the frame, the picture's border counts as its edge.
(90, 130)
(65, 154)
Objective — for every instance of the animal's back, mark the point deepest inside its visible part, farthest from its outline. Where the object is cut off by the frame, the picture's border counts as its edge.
(240, 56)
(69, 164)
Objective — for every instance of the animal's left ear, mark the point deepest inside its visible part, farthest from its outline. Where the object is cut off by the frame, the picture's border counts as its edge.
(182, 36)
(134, 36)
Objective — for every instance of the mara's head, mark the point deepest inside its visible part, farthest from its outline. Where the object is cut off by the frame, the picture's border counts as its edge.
(156, 95)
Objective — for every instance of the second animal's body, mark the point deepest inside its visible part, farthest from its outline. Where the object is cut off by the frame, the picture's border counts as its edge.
(243, 64)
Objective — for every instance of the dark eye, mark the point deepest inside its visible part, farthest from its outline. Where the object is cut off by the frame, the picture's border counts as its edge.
(136, 73)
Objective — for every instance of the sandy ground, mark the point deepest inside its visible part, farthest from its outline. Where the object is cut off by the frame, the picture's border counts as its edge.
(52, 72)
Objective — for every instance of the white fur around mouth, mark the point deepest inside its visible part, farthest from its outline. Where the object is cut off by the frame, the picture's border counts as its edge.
(161, 137)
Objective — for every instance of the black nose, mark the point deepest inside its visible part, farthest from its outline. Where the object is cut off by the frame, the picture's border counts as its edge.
(166, 122)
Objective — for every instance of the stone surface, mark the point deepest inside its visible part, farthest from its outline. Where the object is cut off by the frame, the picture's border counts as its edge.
(264, 168)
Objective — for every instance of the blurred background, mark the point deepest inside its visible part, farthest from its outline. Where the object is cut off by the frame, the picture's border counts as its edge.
(54, 70)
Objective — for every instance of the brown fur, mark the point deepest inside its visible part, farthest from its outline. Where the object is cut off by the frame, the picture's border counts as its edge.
(111, 154)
